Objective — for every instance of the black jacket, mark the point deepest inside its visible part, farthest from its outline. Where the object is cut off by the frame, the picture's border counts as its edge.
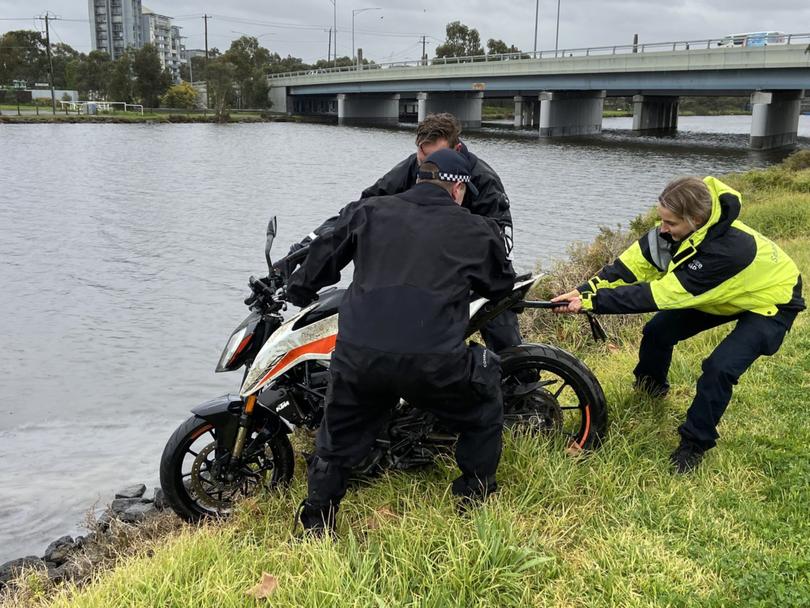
(416, 257)
(491, 201)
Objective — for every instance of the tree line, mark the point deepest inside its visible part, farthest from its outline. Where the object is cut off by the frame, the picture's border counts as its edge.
(236, 77)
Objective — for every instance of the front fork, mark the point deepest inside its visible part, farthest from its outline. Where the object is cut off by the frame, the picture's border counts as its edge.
(244, 426)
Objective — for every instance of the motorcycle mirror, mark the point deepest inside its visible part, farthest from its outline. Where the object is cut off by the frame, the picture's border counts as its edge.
(272, 230)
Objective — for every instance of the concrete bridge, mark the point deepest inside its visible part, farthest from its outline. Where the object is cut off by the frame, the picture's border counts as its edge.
(562, 93)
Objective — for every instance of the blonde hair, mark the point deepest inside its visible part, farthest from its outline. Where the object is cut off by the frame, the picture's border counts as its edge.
(688, 198)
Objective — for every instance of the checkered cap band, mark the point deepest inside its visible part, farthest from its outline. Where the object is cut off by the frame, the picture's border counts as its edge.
(452, 177)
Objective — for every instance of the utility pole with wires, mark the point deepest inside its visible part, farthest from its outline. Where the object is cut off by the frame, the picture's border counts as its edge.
(206, 17)
(424, 54)
(50, 59)
(329, 48)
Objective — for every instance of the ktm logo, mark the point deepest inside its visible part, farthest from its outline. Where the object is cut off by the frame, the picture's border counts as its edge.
(695, 265)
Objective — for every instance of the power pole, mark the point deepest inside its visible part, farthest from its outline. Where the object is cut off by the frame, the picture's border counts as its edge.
(50, 63)
(329, 50)
(206, 17)
(536, 21)
(424, 56)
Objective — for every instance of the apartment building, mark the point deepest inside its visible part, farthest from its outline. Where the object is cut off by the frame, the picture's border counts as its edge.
(159, 31)
(115, 25)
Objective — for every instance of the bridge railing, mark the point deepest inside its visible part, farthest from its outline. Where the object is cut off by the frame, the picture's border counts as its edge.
(647, 47)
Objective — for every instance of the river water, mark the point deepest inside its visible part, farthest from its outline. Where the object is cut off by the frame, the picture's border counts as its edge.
(125, 250)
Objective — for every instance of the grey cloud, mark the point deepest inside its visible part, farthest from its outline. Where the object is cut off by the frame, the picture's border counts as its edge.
(395, 36)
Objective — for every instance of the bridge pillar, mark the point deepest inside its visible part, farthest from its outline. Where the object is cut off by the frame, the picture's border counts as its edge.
(519, 101)
(527, 112)
(466, 107)
(367, 109)
(279, 101)
(567, 113)
(655, 113)
(775, 119)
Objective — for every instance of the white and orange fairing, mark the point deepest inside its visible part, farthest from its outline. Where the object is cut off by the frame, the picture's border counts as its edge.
(288, 347)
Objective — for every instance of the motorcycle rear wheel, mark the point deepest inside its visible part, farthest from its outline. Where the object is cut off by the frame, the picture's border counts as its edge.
(567, 399)
(188, 474)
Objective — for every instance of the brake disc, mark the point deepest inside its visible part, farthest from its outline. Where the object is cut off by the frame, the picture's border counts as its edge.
(201, 477)
(537, 411)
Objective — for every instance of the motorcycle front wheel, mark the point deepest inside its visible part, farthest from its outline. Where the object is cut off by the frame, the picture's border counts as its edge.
(198, 484)
(547, 390)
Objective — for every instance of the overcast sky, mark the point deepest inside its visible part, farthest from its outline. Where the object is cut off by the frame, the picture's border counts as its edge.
(299, 27)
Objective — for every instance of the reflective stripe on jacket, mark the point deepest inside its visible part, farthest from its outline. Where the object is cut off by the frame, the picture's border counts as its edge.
(723, 268)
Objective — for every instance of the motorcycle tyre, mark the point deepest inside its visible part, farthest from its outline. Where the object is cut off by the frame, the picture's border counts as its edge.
(562, 363)
(171, 463)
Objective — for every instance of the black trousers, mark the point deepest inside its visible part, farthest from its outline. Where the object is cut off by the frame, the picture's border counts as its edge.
(754, 335)
(502, 331)
(462, 389)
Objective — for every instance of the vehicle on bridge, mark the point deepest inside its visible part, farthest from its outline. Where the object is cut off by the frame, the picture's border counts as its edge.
(753, 39)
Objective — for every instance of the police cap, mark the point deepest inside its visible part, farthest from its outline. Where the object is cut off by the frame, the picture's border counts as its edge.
(452, 167)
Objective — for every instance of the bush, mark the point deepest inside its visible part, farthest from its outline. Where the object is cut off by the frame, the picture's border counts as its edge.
(797, 161)
(786, 218)
(181, 95)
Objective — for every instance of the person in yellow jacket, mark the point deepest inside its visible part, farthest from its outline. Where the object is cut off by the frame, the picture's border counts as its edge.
(701, 267)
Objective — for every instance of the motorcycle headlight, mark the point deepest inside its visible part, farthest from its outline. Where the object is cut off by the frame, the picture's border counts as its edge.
(235, 345)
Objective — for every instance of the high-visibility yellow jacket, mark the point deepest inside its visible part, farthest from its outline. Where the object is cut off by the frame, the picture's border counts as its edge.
(723, 268)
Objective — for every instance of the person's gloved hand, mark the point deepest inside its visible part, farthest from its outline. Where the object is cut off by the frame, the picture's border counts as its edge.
(300, 296)
(298, 246)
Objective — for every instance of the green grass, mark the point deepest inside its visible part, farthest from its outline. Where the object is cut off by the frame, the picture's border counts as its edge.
(614, 528)
(45, 116)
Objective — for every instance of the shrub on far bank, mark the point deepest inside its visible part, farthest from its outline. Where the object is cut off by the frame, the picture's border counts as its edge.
(181, 95)
(797, 161)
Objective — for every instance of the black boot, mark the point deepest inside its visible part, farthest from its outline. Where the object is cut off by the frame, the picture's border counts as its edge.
(318, 521)
(687, 456)
(473, 491)
(651, 387)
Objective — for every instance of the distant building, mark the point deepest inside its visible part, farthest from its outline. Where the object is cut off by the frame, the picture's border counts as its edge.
(115, 25)
(159, 31)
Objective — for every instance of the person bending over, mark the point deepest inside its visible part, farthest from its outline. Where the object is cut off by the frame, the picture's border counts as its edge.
(401, 329)
(701, 267)
(485, 196)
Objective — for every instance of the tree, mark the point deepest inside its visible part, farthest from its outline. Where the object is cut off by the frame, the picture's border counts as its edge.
(221, 77)
(181, 95)
(341, 62)
(461, 41)
(119, 86)
(23, 57)
(195, 67)
(498, 47)
(151, 81)
(289, 63)
(93, 75)
(65, 63)
(251, 63)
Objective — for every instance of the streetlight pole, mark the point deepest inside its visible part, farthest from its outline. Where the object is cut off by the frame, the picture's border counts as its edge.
(557, 37)
(334, 27)
(536, 21)
(355, 12)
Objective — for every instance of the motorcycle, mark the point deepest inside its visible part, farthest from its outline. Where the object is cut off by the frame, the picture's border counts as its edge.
(235, 444)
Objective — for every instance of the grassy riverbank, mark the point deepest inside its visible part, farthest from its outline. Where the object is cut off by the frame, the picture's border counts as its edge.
(614, 528)
(45, 116)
